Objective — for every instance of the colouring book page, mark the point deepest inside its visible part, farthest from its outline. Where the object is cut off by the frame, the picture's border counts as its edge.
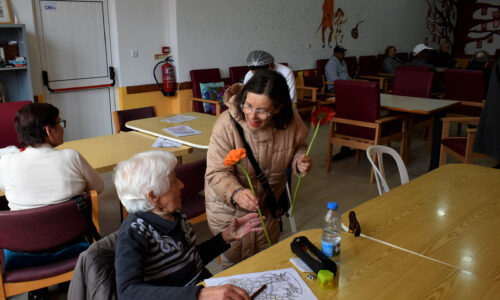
(182, 130)
(281, 284)
(179, 119)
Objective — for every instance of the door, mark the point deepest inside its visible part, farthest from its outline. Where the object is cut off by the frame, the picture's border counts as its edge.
(75, 50)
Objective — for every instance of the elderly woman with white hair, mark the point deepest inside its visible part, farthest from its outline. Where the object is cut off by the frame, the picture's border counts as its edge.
(156, 252)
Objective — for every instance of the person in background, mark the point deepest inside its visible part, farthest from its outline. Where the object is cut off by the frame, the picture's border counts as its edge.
(41, 175)
(277, 137)
(391, 61)
(261, 60)
(488, 132)
(444, 58)
(336, 68)
(157, 256)
(480, 61)
(420, 57)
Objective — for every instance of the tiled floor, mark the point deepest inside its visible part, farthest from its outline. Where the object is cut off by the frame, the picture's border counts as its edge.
(348, 183)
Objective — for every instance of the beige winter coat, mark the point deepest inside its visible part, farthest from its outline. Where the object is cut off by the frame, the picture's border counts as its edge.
(275, 150)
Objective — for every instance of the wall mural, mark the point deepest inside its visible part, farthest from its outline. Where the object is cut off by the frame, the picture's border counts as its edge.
(460, 22)
(329, 20)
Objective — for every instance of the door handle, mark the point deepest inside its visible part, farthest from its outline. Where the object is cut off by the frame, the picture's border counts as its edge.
(45, 79)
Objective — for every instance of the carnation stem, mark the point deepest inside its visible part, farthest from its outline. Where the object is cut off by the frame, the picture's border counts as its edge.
(258, 208)
(300, 175)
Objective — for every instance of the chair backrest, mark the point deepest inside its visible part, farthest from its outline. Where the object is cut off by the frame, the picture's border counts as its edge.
(357, 100)
(202, 76)
(121, 117)
(237, 74)
(379, 170)
(368, 65)
(193, 177)
(466, 85)
(412, 68)
(413, 83)
(403, 57)
(320, 65)
(42, 228)
(352, 65)
(313, 81)
(8, 112)
(380, 62)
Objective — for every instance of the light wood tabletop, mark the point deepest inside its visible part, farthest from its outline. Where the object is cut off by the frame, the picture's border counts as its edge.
(451, 214)
(154, 126)
(104, 152)
(414, 105)
(371, 270)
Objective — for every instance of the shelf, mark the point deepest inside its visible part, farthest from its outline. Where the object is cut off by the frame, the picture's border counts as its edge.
(13, 68)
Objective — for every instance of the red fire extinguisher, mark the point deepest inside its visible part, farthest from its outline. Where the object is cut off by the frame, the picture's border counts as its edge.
(168, 74)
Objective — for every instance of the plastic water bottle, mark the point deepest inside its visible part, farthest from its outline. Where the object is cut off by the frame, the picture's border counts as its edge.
(330, 240)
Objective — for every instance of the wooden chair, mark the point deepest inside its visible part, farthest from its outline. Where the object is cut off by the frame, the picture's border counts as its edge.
(467, 86)
(403, 57)
(121, 117)
(368, 69)
(374, 153)
(412, 68)
(8, 111)
(237, 74)
(39, 229)
(352, 66)
(357, 122)
(204, 76)
(458, 147)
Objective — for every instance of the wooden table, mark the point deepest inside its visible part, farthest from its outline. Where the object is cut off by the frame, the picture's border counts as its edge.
(104, 152)
(154, 126)
(451, 214)
(371, 270)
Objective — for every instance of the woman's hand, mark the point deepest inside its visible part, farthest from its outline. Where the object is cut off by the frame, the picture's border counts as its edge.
(226, 292)
(304, 164)
(246, 200)
(241, 227)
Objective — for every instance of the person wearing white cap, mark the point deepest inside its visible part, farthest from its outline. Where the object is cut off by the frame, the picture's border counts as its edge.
(421, 55)
(260, 59)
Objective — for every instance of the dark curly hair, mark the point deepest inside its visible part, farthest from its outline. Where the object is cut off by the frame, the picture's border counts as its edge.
(273, 85)
(30, 122)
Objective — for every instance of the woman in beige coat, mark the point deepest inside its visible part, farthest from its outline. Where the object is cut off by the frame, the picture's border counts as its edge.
(277, 137)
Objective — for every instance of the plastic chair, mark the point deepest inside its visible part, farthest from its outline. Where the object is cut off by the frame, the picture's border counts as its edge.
(121, 117)
(237, 74)
(203, 76)
(374, 154)
(39, 229)
(7, 113)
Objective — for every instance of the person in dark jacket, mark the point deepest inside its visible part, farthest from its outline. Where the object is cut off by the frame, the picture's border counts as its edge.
(444, 58)
(488, 132)
(156, 252)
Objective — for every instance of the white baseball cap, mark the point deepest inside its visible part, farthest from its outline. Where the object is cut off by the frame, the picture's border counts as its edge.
(419, 48)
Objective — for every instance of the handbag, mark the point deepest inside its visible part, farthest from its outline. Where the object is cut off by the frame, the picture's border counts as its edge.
(282, 205)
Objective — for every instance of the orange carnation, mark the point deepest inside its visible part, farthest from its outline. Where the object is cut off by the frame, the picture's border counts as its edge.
(234, 157)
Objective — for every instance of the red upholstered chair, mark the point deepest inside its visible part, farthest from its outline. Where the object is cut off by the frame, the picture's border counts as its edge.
(412, 68)
(193, 177)
(8, 112)
(466, 86)
(352, 66)
(39, 229)
(237, 74)
(380, 63)
(414, 84)
(203, 76)
(458, 147)
(403, 57)
(320, 66)
(357, 121)
(121, 117)
(368, 69)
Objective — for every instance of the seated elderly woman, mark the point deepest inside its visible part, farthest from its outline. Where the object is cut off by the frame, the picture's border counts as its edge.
(41, 175)
(156, 252)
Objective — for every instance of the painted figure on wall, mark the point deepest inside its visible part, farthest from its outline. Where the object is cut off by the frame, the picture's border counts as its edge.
(327, 21)
(338, 21)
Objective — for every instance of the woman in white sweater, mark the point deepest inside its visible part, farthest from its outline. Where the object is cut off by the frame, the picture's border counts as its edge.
(41, 175)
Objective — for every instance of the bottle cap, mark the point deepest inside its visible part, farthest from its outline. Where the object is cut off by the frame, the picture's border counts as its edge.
(332, 205)
(325, 279)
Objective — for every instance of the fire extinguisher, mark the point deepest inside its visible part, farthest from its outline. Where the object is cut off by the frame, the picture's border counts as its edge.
(168, 75)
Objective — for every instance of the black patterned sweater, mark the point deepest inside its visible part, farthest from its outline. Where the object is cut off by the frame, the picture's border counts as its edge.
(159, 259)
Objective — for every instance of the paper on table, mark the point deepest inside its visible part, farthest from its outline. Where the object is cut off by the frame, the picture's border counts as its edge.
(8, 149)
(182, 130)
(163, 143)
(281, 284)
(179, 119)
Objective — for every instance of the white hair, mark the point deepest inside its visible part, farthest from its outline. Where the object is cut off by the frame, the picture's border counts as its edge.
(144, 172)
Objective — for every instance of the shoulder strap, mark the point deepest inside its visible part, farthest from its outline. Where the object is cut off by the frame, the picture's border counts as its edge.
(270, 199)
(83, 208)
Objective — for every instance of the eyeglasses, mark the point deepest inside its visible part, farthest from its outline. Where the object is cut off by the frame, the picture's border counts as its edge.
(260, 113)
(63, 123)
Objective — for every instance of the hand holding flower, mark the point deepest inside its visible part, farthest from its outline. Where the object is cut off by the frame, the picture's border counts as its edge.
(247, 200)
(304, 164)
(241, 227)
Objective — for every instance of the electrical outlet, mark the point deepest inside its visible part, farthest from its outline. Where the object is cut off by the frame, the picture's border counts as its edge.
(134, 53)
(161, 56)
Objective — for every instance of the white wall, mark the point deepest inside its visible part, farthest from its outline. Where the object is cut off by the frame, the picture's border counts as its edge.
(220, 33)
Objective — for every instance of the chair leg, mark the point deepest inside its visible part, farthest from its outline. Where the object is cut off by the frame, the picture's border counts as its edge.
(372, 174)
(358, 156)
(442, 156)
(429, 140)
(459, 129)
